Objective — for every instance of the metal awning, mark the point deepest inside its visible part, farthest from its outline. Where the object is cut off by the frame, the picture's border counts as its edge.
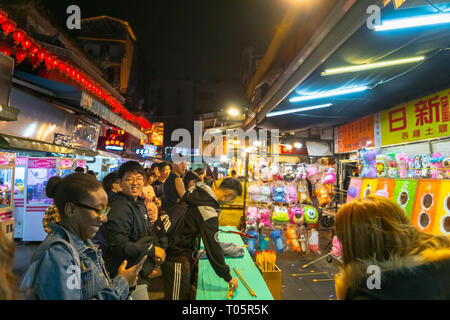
(12, 142)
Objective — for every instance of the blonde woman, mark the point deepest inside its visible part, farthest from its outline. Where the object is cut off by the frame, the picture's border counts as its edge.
(386, 257)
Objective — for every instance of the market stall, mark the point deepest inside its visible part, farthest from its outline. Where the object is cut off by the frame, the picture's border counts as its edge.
(7, 162)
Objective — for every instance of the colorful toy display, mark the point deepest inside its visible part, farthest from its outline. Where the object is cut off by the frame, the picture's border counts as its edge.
(280, 215)
(426, 167)
(382, 165)
(311, 215)
(369, 161)
(336, 250)
(291, 235)
(279, 193)
(296, 216)
(264, 218)
(263, 243)
(442, 219)
(323, 195)
(385, 188)
(404, 194)
(302, 192)
(252, 218)
(251, 242)
(369, 186)
(393, 168)
(313, 243)
(291, 195)
(402, 163)
(436, 162)
(277, 240)
(354, 189)
(427, 197)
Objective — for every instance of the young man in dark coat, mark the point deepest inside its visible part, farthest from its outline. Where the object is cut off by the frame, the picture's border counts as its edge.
(128, 232)
(201, 220)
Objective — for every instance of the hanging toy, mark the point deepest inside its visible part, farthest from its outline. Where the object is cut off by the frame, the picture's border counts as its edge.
(313, 243)
(311, 215)
(323, 195)
(264, 218)
(291, 195)
(279, 193)
(296, 216)
(277, 240)
(437, 164)
(329, 177)
(265, 173)
(302, 192)
(263, 243)
(302, 240)
(426, 166)
(393, 170)
(291, 235)
(301, 172)
(313, 174)
(370, 165)
(252, 218)
(382, 165)
(254, 192)
(411, 168)
(251, 242)
(336, 250)
(280, 215)
(446, 167)
(417, 166)
(275, 173)
(402, 162)
(289, 174)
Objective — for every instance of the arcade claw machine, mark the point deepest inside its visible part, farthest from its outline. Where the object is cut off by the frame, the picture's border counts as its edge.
(7, 163)
(65, 166)
(20, 193)
(38, 172)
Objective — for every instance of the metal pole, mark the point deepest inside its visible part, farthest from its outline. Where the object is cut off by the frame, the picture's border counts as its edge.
(247, 156)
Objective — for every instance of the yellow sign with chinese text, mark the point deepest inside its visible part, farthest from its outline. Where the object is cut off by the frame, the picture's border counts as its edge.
(421, 119)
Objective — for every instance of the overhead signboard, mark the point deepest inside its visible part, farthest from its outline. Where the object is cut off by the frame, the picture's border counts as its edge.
(355, 135)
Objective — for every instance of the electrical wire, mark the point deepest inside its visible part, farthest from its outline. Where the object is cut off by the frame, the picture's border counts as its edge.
(435, 6)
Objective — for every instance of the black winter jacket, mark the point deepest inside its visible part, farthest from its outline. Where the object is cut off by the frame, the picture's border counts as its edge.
(128, 233)
(201, 220)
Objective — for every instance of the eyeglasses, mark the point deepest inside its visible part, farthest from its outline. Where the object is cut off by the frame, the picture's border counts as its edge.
(132, 180)
(100, 212)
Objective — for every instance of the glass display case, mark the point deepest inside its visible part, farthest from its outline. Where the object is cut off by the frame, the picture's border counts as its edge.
(39, 171)
(7, 163)
(65, 166)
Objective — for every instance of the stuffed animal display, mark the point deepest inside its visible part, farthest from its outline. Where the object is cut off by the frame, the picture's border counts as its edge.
(313, 243)
(291, 195)
(291, 239)
(296, 216)
(279, 193)
(251, 242)
(402, 163)
(302, 192)
(311, 215)
(336, 250)
(370, 165)
(264, 218)
(393, 169)
(437, 165)
(382, 165)
(323, 195)
(280, 215)
(277, 240)
(252, 218)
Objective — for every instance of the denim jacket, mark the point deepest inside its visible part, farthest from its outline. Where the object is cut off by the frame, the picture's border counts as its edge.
(60, 278)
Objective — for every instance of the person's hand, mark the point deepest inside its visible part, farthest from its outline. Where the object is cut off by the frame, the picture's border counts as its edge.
(131, 274)
(233, 284)
(160, 255)
(158, 202)
(152, 210)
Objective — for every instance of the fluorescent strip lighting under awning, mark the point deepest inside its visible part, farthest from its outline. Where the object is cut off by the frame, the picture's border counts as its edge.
(371, 66)
(327, 94)
(419, 21)
(279, 113)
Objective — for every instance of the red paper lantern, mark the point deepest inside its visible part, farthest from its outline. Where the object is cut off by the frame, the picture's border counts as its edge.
(35, 61)
(62, 67)
(26, 43)
(117, 142)
(20, 55)
(122, 144)
(3, 16)
(107, 142)
(6, 51)
(8, 26)
(18, 35)
(42, 54)
(68, 70)
(34, 48)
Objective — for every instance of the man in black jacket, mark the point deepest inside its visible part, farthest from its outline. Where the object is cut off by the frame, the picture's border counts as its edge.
(201, 220)
(128, 232)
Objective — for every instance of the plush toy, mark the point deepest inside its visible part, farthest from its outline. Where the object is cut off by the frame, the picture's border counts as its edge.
(393, 170)
(370, 166)
(252, 218)
(279, 193)
(263, 243)
(402, 162)
(277, 240)
(437, 164)
(426, 166)
(296, 216)
(254, 192)
(251, 242)
(301, 172)
(289, 174)
(323, 195)
(265, 173)
(446, 166)
(337, 248)
(311, 215)
(417, 166)
(265, 194)
(302, 240)
(291, 235)
(280, 215)
(264, 218)
(313, 173)
(329, 177)
(291, 195)
(275, 173)
(313, 243)
(302, 192)
(382, 165)
(411, 168)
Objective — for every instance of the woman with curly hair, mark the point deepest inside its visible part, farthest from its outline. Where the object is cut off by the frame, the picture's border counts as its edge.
(386, 257)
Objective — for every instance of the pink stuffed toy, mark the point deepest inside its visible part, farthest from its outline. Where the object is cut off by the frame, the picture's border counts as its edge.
(252, 218)
(403, 164)
(313, 173)
(329, 177)
(296, 216)
(264, 218)
(437, 164)
(291, 195)
(337, 248)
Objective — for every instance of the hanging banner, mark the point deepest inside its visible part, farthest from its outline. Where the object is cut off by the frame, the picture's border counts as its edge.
(420, 119)
(355, 135)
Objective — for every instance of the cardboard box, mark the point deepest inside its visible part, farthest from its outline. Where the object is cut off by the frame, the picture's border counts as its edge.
(7, 227)
(273, 281)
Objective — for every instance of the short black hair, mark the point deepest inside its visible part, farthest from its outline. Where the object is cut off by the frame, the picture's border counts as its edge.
(91, 172)
(154, 166)
(109, 179)
(79, 169)
(162, 165)
(74, 187)
(199, 171)
(231, 184)
(131, 166)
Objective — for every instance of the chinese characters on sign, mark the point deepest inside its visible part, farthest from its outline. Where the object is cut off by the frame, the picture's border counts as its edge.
(416, 120)
(355, 135)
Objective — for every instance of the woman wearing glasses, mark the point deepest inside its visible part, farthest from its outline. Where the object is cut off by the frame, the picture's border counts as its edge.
(70, 267)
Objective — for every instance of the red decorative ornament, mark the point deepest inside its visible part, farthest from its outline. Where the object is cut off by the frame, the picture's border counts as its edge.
(3, 16)
(62, 67)
(49, 62)
(33, 49)
(35, 61)
(20, 55)
(42, 54)
(18, 36)
(122, 144)
(6, 51)
(68, 70)
(8, 26)
(107, 142)
(26, 43)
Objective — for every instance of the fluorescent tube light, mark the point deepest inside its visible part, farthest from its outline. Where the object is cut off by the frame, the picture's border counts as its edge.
(326, 94)
(279, 113)
(418, 21)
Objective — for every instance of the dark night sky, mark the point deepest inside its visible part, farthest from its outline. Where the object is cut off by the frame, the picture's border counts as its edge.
(195, 39)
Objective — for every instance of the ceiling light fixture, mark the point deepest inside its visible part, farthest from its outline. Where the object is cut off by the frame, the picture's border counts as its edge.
(369, 66)
(419, 21)
(326, 94)
(279, 113)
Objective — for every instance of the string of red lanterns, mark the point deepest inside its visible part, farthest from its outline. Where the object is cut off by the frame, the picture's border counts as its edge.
(37, 55)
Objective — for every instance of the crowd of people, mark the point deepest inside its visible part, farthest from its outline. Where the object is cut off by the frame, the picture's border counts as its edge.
(106, 240)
